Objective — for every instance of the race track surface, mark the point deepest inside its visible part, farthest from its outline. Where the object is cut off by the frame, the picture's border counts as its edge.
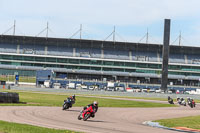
(107, 120)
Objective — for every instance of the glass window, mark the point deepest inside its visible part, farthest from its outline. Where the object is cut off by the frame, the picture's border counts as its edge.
(118, 69)
(17, 58)
(5, 62)
(96, 62)
(129, 70)
(141, 65)
(110, 63)
(107, 69)
(85, 67)
(50, 59)
(40, 59)
(118, 63)
(28, 58)
(26, 64)
(50, 65)
(85, 61)
(129, 64)
(96, 68)
(60, 60)
(153, 66)
(74, 61)
(174, 67)
(16, 63)
(6, 57)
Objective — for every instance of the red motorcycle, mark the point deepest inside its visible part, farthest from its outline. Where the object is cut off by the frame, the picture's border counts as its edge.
(86, 114)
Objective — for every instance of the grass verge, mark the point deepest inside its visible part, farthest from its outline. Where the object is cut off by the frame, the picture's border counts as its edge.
(189, 122)
(41, 99)
(10, 127)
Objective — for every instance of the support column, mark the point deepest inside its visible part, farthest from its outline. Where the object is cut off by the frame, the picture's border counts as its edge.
(45, 50)
(18, 49)
(74, 52)
(130, 55)
(165, 55)
(102, 53)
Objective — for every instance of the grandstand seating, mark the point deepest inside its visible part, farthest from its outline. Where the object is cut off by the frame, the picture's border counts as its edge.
(8, 48)
(193, 59)
(176, 58)
(116, 54)
(59, 50)
(145, 56)
(63, 50)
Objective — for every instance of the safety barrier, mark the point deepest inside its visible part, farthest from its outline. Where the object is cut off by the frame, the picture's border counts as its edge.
(9, 97)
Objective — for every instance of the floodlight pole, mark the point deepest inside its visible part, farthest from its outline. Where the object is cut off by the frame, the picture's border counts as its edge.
(147, 39)
(165, 55)
(80, 31)
(179, 39)
(114, 34)
(47, 30)
(14, 27)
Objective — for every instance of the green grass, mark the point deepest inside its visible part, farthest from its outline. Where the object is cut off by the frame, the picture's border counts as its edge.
(10, 127)
(189, 122)
(145, 98)
(56, 99)
(21, 78)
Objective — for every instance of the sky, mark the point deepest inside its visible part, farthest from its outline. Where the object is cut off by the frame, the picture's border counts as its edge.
(131, 19)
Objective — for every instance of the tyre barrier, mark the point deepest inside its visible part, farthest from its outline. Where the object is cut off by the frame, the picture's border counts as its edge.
(9, 97)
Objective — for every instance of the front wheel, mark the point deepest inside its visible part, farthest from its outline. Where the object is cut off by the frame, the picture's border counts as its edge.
(65, 106)
(79, 117)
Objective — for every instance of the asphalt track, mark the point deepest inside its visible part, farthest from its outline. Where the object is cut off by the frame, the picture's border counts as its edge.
(107, 120)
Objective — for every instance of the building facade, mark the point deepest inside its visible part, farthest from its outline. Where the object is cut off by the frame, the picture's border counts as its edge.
(99, 60)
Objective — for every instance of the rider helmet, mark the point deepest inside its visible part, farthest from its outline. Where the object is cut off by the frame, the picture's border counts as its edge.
(95, 103)
(73, 96)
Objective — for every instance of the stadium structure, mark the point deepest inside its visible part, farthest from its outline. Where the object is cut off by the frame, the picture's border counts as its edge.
(100, 60)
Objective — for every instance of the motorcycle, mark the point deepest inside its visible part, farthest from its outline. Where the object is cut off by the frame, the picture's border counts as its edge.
(86, 114)
(181, 101)
(170, 100)
(67, 104)
(191, 103)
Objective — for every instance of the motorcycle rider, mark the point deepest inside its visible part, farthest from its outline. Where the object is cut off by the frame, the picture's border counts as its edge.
(193, 102)
(71, 100)
(170, 100)
(93, 107)
(188, 100)
(178, 100)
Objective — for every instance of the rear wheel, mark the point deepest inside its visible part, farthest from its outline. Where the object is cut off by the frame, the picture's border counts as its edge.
(86, 117)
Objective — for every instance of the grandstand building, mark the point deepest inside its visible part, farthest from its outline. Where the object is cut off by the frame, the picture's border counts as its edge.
(100, 60)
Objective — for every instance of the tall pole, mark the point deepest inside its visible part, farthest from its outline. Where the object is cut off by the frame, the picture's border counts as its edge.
(114, 34)
(179, 42)
(47, 30)
(80, 31)
(165, 54)
(147, 36)
(14, 27)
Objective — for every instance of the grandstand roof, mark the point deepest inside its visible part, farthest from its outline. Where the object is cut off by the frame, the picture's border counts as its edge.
(96, 44)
